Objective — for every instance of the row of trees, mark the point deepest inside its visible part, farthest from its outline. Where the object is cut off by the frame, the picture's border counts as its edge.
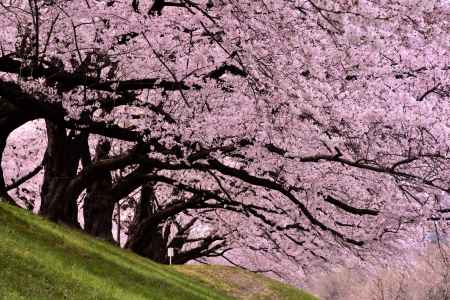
(297, 130)
(421, 275)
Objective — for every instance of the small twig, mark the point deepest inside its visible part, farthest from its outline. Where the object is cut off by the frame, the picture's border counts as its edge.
(52, 27)
(167, 68)
(25, 178)
(432, 90)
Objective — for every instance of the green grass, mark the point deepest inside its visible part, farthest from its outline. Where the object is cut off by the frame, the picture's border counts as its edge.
(42, 260)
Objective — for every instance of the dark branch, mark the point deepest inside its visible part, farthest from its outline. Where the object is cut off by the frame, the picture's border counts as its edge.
(350, 209)
(25, 178)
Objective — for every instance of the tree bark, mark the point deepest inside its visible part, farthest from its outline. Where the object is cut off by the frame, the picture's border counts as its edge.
(10, 118)
(3, 192)
(59, 203)
(99, 204)
(150, 242)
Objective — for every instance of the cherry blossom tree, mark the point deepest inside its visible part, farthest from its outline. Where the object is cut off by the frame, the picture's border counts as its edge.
(299, 130)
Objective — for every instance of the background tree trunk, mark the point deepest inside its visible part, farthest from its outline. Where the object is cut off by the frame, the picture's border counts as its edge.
(98, 205)
(61, 164)
(150, 241)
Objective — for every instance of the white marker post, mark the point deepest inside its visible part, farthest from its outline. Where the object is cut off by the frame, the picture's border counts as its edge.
(170, 254)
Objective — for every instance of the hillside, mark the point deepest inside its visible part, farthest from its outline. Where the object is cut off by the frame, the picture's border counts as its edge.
(42, 260)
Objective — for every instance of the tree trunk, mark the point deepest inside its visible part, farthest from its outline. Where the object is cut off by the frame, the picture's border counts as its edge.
(3, 192)
(149, 243)
(10, 119)
(61, 164)
(147, 239)
(98, 205)
(98, 210)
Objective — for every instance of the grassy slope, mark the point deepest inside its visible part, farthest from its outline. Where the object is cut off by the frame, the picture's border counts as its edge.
(41, 260)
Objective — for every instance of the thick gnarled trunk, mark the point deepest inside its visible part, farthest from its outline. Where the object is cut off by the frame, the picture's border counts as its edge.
(98, 209)
(10, 118)
(144, 239)
(98, 204)
(155, 229)
(151, 244)
(58, 203)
